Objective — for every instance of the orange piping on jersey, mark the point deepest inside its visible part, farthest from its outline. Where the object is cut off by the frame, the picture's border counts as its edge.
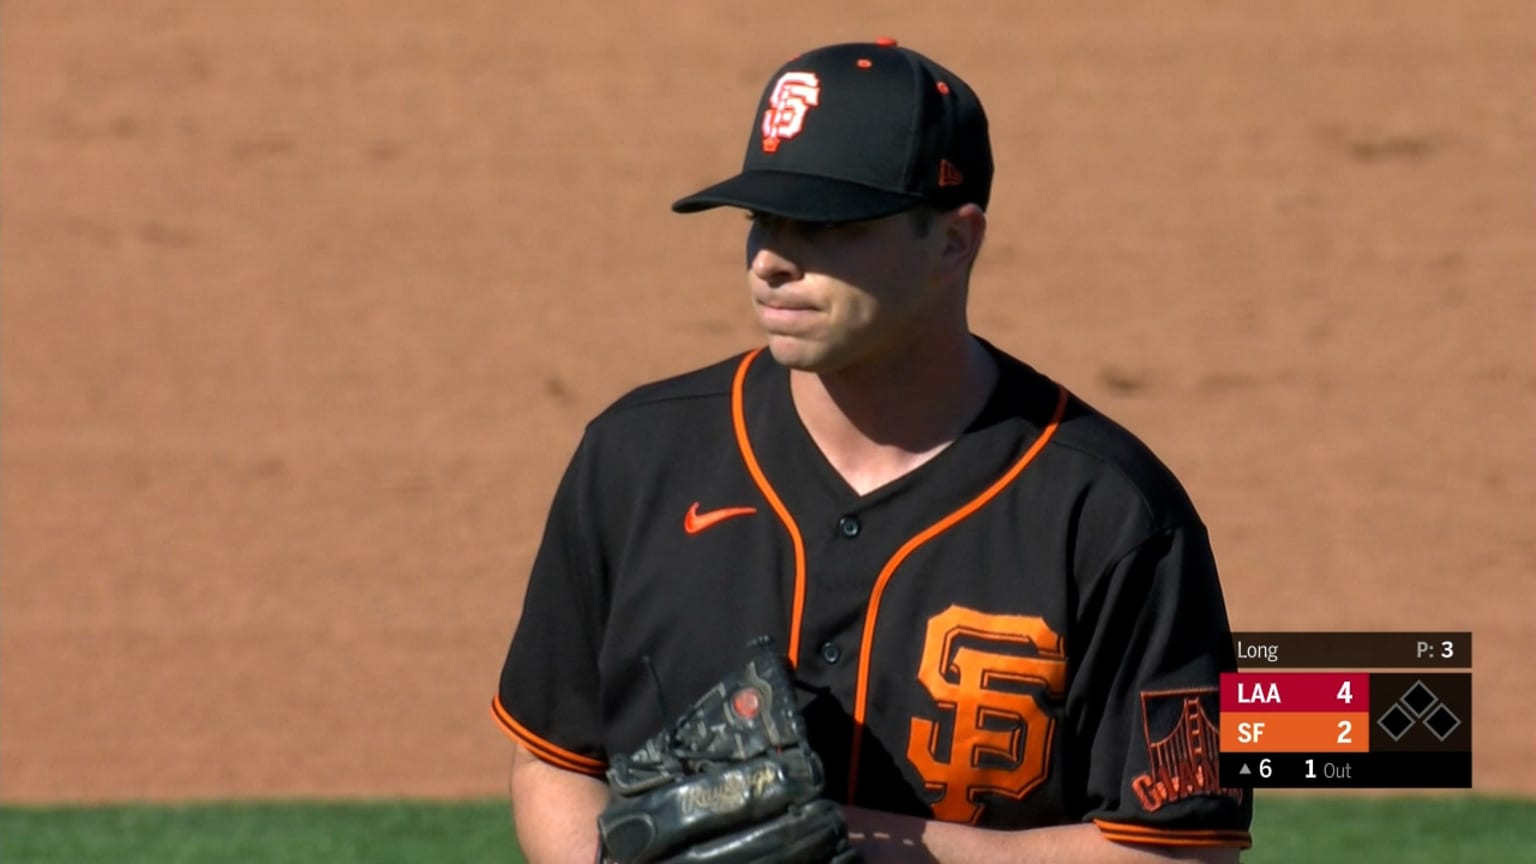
(861, 694)
(551, 753)
(1125, 832)
(739, 420)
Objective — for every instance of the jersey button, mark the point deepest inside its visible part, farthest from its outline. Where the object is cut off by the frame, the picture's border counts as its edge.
(849, 526)
(831, 653)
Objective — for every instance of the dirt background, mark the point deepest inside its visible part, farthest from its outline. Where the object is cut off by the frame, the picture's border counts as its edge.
(305, 304)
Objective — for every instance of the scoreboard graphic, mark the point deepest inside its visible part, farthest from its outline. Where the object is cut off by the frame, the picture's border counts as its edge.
(1368, 710)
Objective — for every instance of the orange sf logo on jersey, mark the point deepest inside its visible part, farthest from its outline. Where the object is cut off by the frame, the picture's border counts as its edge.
(793, 95)
(1001, 738)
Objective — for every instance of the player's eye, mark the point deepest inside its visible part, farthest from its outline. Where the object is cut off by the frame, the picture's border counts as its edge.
(761, 221)
(770, 223)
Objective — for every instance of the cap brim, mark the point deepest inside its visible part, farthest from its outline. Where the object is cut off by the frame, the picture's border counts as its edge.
(800, 197)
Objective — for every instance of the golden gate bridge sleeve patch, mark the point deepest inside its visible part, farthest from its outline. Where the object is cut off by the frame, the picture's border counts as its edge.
(1175, 796)
(1183, 755)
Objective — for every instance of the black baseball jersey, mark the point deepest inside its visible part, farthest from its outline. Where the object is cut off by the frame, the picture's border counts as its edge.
(1026, 630)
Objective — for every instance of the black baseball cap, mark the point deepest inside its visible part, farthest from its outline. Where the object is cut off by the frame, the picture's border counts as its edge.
(858, 131)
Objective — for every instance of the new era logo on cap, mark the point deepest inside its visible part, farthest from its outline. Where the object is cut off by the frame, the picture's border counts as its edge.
(858, 131)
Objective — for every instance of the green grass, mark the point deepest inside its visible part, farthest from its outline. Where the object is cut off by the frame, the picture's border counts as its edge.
(1286, 829)
(260, 833)
(1418, 830)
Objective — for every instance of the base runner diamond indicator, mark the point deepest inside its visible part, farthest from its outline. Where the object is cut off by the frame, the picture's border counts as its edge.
(1395, 722)
(1442, 721)
(1419, 699)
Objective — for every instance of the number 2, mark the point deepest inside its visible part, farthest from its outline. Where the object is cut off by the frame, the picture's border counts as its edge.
(1345, 727)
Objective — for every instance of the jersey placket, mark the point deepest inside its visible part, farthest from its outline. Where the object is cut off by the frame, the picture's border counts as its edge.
(849, 541)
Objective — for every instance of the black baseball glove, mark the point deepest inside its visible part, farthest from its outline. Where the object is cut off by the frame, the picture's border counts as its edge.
(732, 781)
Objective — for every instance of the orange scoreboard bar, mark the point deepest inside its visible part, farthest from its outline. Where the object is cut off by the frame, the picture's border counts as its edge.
(1338, 726)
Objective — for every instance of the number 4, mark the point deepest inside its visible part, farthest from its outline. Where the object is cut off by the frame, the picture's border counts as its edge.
(1345, 695)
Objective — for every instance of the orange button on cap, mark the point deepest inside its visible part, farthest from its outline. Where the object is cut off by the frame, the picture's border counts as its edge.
(886, 42)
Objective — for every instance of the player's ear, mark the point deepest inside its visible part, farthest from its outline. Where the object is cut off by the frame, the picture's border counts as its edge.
(962, 229)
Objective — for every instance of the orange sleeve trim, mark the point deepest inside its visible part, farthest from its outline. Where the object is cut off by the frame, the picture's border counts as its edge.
(861, 692)
(1125, 832)
(739, 421)
(551, 753)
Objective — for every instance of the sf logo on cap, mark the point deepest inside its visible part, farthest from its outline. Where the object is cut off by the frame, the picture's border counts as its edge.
(793, 94)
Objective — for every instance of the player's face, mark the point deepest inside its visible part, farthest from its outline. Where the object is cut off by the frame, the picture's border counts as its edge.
(831, 296)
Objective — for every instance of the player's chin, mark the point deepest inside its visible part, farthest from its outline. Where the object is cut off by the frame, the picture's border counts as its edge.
(799, 352)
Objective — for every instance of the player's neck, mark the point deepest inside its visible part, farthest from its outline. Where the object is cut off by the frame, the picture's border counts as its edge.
(879, 421)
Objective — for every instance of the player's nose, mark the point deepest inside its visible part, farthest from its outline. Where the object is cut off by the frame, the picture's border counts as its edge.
(772, 266)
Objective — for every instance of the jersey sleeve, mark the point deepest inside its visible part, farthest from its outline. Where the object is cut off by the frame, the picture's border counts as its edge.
(548, 699)
(1149, 690)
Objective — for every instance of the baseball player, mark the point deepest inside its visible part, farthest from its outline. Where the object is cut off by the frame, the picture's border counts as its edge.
(1002, 610)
